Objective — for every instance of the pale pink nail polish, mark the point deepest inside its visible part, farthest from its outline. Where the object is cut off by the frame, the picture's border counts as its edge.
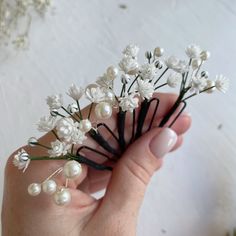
(163, 142)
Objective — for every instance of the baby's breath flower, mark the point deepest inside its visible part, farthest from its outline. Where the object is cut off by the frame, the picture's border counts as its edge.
(78, 137)
(54, 102)
(131, 51)
(58, 149)
(145, 88)
(177, 65)
(129, 65)
(95, 93)
(197, 84)
(66, 128)
(222, 83)
(46, 123)
(21, 160)
(105, 81)
(172, 62)
(181, 67)
(75, 92)
(148, 71)
(174, 80)
(193, 51)
(128, 102)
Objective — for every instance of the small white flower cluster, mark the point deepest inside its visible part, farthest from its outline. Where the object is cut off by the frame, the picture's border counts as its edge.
(13, 13)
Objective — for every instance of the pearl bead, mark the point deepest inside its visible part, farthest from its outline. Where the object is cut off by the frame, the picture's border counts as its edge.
(72, 169)
(112, 72)
(49, 186)
(34, 189)
(103, 110)
(158, 52)
(205, 55)
(85, 125)
(62, 196)
(110, 97)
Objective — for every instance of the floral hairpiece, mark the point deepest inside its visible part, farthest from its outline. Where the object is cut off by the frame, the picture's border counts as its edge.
(139, 82)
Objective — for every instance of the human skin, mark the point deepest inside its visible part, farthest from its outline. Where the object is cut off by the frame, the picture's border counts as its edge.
(114, 214)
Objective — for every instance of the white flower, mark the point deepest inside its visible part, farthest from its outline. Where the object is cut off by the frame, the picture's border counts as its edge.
(172, 62)
(131, 51)
(176, 64)
(197, 84)
(105, 81)
(128, 102)
(46, 123)
(58, 149)
(174, 80)
(222, 83)
(148, 71)
(78, 137)
(21, 160)
(66, 128)
(129, 65)
(95, 93)
(75, 92)
(54, 102)
(145, 88)
(181, 67)
(193, 51)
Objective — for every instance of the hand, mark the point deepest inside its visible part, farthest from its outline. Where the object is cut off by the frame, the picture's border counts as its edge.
(114, 214)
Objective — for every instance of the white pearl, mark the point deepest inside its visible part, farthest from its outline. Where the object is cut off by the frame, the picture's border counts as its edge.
(72, 169)
(110, 97)
(62, 196)
(205, 55)
(158, 52)
(34, 189)
(103, 110)
(112, 72)
(49, 186)
(85, 125)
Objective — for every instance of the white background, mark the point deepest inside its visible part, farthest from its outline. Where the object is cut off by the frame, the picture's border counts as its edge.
(195, 192)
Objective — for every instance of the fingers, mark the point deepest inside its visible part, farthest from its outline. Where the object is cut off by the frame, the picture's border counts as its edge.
(132, 174)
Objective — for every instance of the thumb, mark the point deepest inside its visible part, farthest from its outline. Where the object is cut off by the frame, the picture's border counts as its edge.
(133, 172)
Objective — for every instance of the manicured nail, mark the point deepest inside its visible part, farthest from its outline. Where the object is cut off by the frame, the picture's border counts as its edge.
(163, 142)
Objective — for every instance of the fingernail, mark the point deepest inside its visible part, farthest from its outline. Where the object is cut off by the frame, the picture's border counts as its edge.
(163, 142)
